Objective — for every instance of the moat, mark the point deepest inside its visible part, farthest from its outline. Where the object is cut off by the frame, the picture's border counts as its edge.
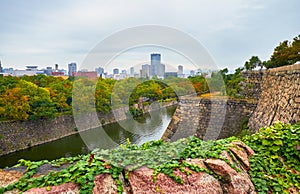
(74, 145)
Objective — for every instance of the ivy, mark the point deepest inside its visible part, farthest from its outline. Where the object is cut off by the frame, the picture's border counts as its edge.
(162, 157)
(275, 165)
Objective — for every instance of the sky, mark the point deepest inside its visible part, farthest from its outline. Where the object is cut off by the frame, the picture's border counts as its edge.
(44, 33)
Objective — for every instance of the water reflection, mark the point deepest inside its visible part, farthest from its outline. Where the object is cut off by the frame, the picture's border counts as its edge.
(147, 128)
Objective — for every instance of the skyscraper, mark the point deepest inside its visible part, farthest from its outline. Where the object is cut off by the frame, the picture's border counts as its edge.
(156, 67)
(72, 68)
(155, 63)
(180, 69)
(161, 71)
(145, 70)
(131, 71)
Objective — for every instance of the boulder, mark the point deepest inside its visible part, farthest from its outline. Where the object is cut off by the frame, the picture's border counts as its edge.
(234, 182)
(141, 182)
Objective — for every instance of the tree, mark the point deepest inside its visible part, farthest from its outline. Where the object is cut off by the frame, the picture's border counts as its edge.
(233, 84)
(38, 99)
(286, 53)
(199, 83)
(14, 105)
(253, 62)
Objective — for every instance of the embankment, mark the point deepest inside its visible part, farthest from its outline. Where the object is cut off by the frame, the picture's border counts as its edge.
(279, 99)
(18, 135)
(271, 95)
(209, 118)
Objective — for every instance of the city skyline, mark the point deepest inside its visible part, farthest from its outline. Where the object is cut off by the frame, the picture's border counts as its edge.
(59, 32)
(136, 60)
(147, 70)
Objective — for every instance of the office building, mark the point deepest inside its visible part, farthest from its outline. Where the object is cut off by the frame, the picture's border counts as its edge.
(145, 71)
(192, 73)
(48, 71)
(156, 68)
(72, 67)
(131, 71)
(171, 74)
(180, 69)
(115, 71)
(155, 62)
(123, 74)
(161, 71)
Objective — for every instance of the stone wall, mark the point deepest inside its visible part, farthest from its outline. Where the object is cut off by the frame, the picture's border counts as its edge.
(19, 135)
(252, 85)
(271, 95)
(279, 99)
(209, 118)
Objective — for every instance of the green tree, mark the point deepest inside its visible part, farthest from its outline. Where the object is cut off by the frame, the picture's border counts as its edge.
(60, 94)
(233, 84)
(38, 99)
(103, 95)
(7, 82)
(253, 62)
(286, 53)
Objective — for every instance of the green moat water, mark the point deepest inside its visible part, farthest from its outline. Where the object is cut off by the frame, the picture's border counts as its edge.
(146, 129)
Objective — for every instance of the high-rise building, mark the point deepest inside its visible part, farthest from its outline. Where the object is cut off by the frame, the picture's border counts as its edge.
(145, 70)
(123, 74)
(131, 71)
(115, 71)
(72, 67)
(155, 63)
(180, 69)
(48, 70)
(156, 68)
(192, 73)
(161, 71)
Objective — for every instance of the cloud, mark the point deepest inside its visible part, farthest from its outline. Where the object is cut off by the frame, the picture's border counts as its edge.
(63, 31)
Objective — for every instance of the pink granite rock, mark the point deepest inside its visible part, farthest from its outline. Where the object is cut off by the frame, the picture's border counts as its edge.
(240, 144)
(241, 155)
(104, 183)
(141, 182)
(67, 188)
(234, 182)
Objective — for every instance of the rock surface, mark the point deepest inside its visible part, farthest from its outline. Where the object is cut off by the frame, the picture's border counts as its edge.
(141, 181)
(234, 182)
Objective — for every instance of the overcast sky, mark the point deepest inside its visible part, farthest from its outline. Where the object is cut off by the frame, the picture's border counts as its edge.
(36, 32)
